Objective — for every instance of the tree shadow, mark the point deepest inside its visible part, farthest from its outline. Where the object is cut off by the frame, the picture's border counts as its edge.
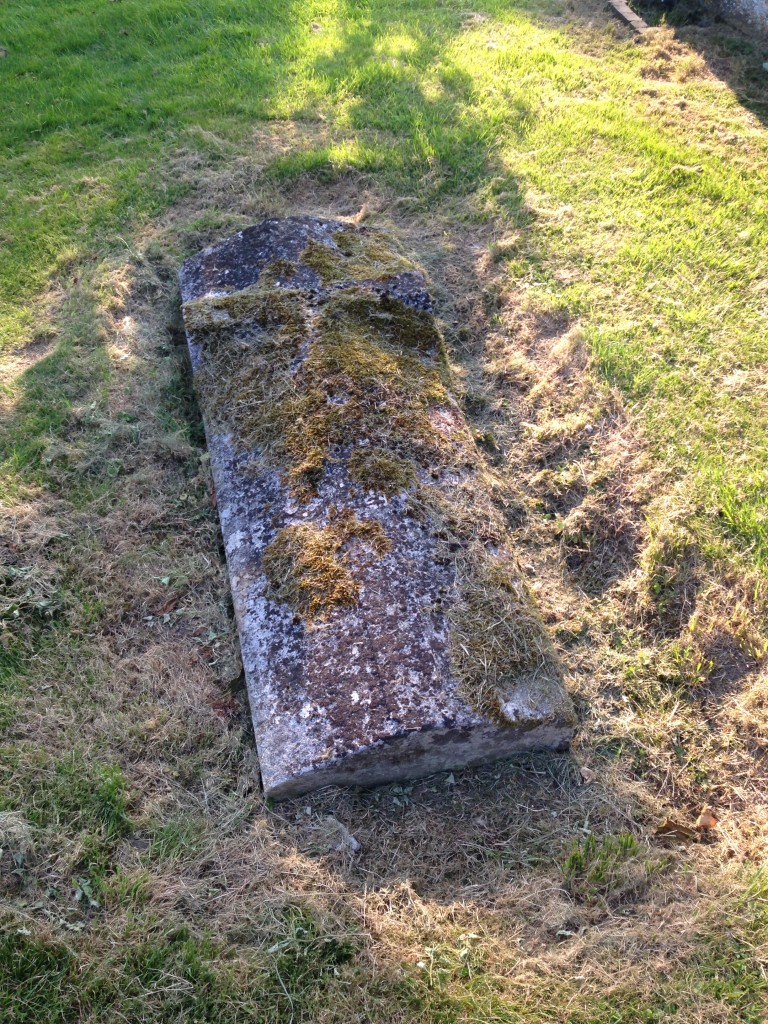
(732, 52)
(436, 131)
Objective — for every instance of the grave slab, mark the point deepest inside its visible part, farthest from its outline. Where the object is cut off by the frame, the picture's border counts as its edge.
(386, 629)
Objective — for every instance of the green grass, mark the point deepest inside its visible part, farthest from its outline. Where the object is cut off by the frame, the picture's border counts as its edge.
(635, 218)
(624, 186)
(81, 794)
(156, 973)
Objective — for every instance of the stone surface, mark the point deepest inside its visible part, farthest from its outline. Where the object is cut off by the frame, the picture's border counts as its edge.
(749, 14)
(379, 686)
(626, 13)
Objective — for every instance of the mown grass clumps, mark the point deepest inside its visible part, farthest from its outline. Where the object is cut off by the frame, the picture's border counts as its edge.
(498, 641)
(307, 566)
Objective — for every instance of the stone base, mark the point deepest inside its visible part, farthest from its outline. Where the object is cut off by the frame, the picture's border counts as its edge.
(416, 754)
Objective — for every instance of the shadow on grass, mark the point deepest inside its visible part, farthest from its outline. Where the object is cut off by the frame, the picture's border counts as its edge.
(442, 861)
(733, 53)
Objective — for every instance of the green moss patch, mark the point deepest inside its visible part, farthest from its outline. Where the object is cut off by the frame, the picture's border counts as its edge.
(273, 315)
(376, 469)
(307, 566)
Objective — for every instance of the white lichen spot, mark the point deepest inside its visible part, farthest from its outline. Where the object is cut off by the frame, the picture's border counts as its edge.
(234, 540)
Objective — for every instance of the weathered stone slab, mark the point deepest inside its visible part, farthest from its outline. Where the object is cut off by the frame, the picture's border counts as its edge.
(626, 13)
(385, 629)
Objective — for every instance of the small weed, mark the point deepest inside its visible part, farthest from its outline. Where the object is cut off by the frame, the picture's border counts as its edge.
(77, 794)
(612, 869)
(683, 664)
(452, 962)
(306, 952)
(84, 894)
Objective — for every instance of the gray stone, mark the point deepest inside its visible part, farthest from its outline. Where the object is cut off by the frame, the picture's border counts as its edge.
(749, 14)
(386, 632)
(626, 13)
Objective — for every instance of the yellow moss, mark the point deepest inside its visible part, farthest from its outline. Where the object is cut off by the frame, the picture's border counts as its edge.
(377, 469)
(260, 306)
(392, 322)
(355, 255)
(278, 270)
(497, 636)
(307, 566)
(358, 385)
(372, 373)
(245, 379)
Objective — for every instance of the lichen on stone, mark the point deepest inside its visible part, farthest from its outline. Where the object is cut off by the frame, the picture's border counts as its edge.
(351, 376)
(307, 566)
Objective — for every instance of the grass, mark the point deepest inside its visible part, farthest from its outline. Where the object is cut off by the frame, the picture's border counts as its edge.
(591, 208)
